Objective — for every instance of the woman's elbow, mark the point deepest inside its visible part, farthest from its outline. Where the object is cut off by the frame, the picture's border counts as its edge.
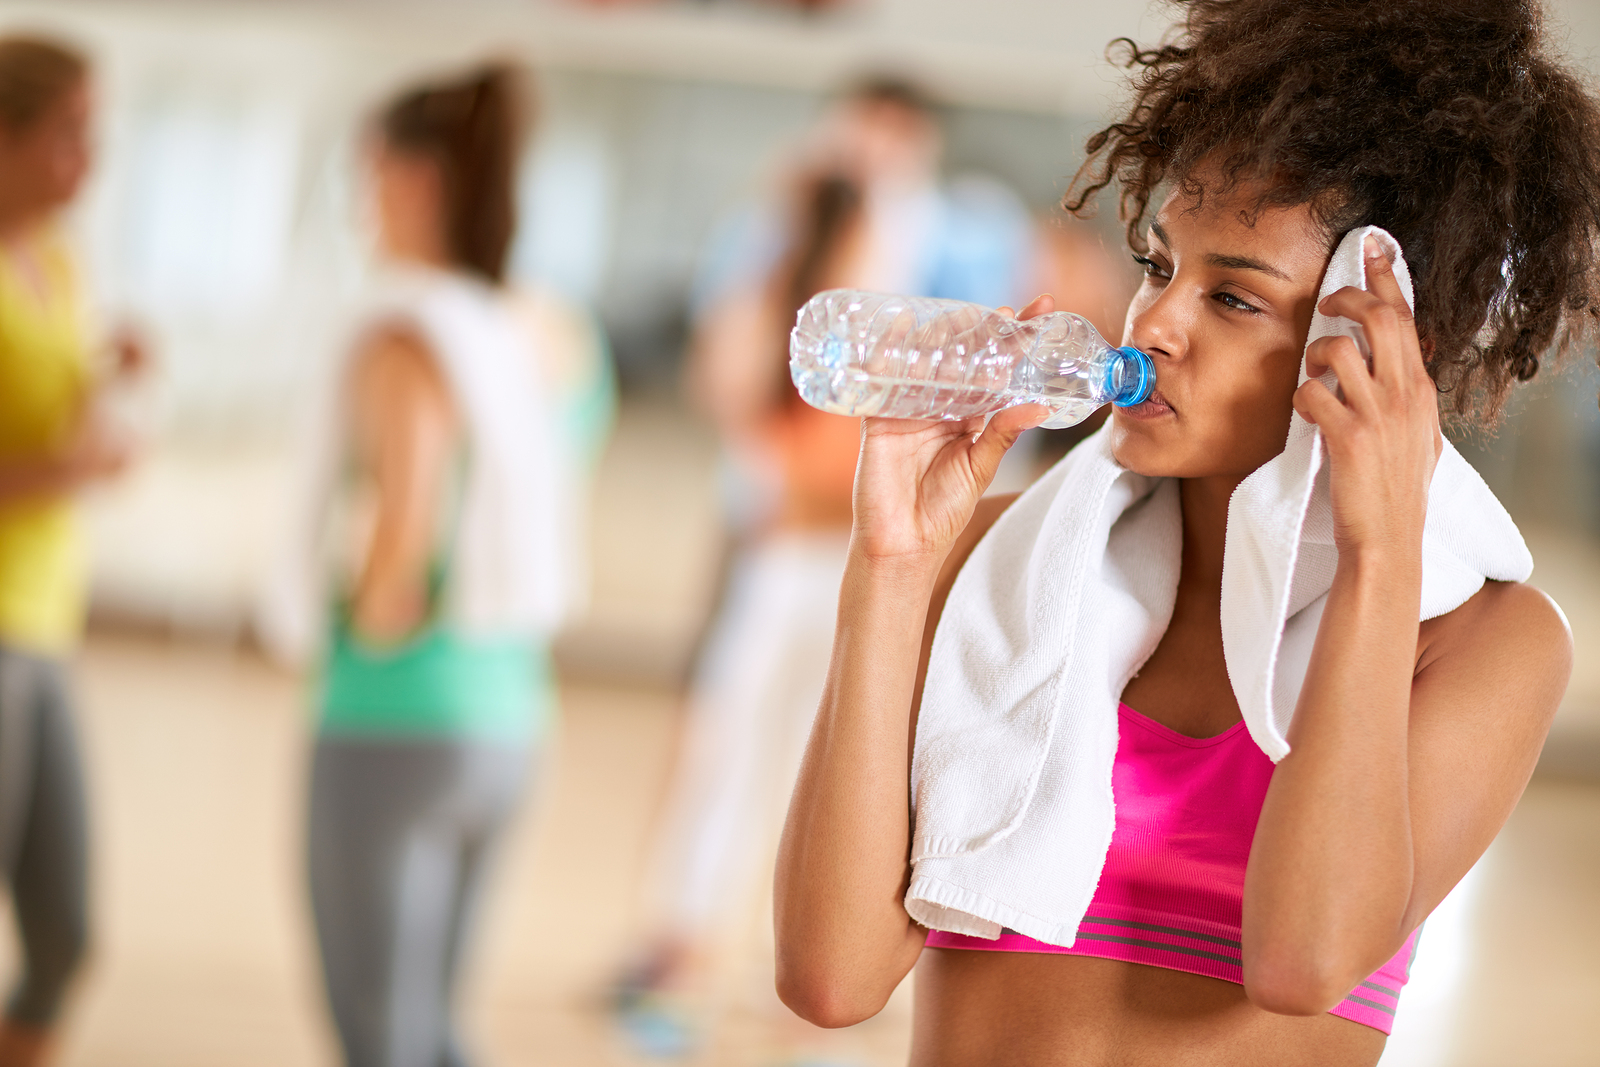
(818, 996)
(1296, 982)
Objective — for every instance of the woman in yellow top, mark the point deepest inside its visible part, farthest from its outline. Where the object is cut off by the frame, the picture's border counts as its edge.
(51, 443)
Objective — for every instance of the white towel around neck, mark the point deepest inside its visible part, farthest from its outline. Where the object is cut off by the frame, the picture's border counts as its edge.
(1064, 600)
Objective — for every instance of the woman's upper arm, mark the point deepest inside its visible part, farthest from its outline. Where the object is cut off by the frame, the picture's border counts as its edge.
(1489, 681)
(404, 427)
(402, 414)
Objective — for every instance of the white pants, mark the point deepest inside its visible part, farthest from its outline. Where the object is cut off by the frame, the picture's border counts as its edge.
(750, 710)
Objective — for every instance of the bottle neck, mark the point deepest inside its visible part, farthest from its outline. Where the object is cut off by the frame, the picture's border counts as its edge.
(1130, 377)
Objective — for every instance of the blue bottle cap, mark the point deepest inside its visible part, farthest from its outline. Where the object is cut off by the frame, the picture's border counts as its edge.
(1137, 378)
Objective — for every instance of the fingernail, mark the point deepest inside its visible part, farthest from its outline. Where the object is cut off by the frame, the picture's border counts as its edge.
(1372, 248)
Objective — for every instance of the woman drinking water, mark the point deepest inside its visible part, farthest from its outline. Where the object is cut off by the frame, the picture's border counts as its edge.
(1187, 772)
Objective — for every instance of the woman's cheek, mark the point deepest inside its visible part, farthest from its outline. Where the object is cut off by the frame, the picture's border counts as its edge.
(1264, 415)
(1245, 412)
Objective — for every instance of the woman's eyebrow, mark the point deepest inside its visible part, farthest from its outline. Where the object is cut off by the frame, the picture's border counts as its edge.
(1227, 262)
(1218, 259)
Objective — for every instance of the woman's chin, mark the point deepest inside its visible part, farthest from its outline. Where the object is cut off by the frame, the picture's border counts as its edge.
(1142, 447)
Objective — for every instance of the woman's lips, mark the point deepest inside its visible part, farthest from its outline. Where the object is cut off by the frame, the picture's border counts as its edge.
(1154, 407)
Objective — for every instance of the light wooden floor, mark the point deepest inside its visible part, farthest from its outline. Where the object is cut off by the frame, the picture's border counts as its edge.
(197, 762)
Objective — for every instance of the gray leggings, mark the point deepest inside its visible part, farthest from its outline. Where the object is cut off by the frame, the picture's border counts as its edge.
(400, 836)
(43, 836)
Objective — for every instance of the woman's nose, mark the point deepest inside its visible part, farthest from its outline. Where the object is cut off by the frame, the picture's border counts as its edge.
(1158, 327)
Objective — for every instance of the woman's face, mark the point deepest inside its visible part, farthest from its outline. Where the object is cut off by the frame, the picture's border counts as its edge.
(43, 165)
(408, 203)
(1223, 311)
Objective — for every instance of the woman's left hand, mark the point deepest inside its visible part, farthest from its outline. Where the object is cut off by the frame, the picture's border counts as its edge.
(1383, 435)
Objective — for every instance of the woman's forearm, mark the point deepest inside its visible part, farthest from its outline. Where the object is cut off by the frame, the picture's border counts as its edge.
(33, 479)
(843, 936)
(93, 450)
(1330, 871)
(391, 593)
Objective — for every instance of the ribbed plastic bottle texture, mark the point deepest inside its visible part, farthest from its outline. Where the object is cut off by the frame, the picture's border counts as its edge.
(874, 354)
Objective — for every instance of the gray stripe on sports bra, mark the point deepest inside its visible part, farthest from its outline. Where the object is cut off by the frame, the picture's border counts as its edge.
(1352, 998)
(1395, 993)
(1162, 930)
(1142, 943)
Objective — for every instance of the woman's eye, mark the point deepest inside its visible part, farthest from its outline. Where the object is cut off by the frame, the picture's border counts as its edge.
(1229, 300)
(1151, 268)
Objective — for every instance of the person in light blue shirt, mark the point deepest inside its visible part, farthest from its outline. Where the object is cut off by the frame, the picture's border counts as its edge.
(964, 238)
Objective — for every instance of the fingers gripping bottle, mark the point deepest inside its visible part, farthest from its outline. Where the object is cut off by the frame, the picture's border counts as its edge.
(904, 357)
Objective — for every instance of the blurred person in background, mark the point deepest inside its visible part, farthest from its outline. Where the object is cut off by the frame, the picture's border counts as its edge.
(863, 207)
(969, 238)
(55, 439)
(762, 669)
(963, 238)
(436, 549)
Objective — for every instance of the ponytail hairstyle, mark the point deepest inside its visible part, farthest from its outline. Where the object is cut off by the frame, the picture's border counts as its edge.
(1449, 123)
(471, 129)
(35, 72)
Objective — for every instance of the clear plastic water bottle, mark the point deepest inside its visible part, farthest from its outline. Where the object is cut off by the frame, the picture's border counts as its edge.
(907, 357)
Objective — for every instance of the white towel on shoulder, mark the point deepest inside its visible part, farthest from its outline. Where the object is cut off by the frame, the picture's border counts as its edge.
(1064, 600)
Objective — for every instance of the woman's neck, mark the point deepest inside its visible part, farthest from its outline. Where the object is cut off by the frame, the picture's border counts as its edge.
(18, 225)
(418, 256)
(415, 239)
(1205, 529)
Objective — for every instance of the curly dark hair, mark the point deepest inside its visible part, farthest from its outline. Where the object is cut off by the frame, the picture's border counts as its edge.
(1446, 122)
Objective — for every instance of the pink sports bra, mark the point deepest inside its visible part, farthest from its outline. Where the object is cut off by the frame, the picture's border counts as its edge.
(1172, 891)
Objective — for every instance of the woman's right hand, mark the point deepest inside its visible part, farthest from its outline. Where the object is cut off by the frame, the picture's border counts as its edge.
(918, 481)
(98, 450)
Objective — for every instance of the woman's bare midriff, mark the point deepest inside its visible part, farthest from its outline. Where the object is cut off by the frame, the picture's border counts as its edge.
(1024, 1009)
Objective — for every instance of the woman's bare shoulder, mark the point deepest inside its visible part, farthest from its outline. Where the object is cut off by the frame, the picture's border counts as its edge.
(1509, 642)
(1512, 616)
(393, 362)
(393, 348)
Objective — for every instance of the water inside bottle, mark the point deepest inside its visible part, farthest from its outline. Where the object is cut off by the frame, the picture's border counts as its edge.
(864, 395)
(876, 355)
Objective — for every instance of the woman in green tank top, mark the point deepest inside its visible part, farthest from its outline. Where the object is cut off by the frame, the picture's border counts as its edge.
(436, 687)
